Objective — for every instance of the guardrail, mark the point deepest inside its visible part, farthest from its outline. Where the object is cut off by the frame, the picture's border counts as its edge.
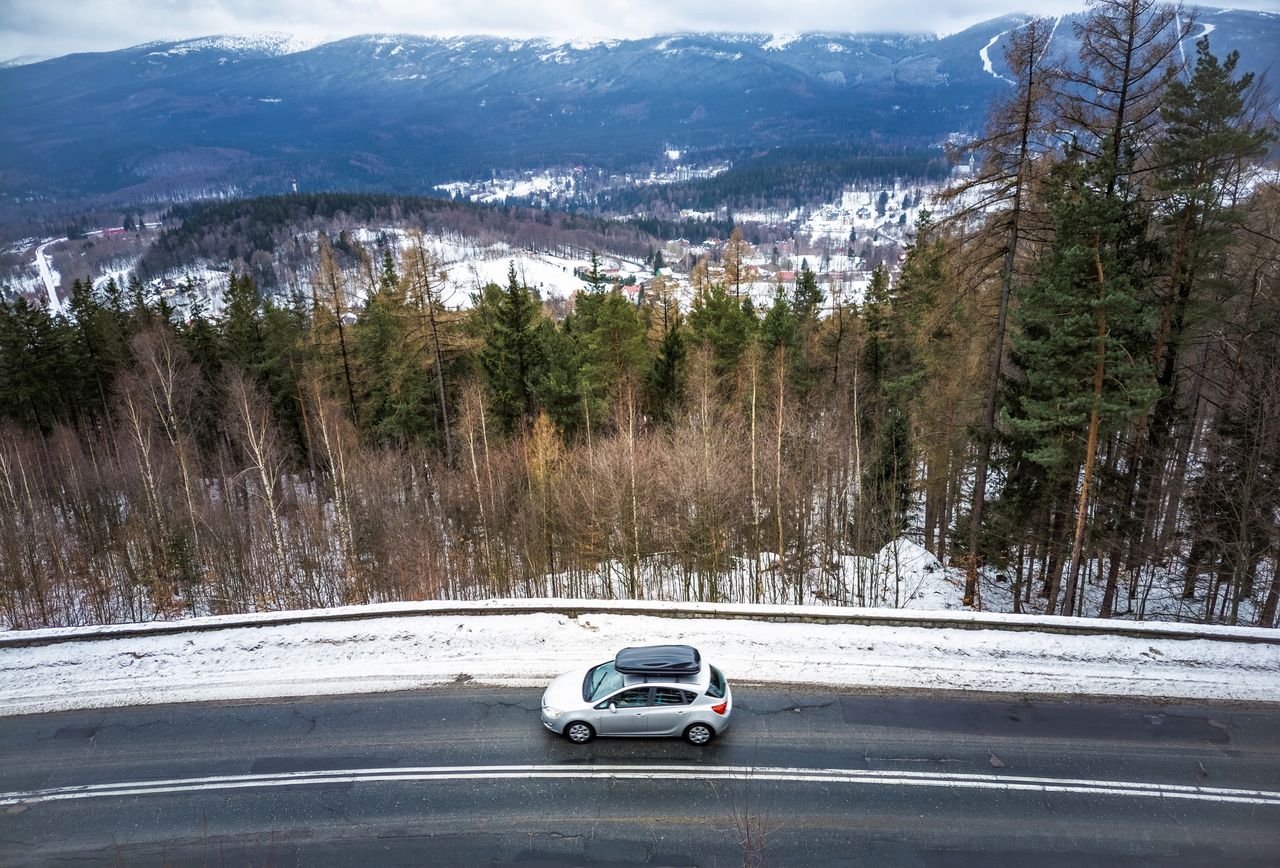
(952, 620)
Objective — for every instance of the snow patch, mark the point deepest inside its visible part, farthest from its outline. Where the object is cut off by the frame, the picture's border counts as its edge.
(268, 43)
(985, 54)
(408, 651)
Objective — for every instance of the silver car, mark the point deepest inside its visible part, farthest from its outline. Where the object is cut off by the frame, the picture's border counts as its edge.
(659, 690)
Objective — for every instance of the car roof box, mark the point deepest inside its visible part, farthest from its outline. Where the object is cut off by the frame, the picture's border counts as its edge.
(659, 660)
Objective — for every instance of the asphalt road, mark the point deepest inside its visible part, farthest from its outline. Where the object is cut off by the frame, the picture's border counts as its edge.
(466, 776)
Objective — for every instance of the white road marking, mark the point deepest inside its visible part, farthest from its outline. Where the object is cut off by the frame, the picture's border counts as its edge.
(1011, 783)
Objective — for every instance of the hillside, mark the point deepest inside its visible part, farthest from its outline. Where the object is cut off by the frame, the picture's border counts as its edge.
(402, 113)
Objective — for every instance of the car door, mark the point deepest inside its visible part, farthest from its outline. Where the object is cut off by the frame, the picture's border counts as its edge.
(669, 712)
(624, 713)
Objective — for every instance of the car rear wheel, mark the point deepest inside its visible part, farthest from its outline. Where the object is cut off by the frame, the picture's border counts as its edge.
(699, 734)
(579, 732)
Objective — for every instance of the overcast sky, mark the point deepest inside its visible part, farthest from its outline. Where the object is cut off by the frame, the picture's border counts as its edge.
(48, 28)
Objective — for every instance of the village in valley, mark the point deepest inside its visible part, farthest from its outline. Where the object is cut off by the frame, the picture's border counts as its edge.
(841, 242)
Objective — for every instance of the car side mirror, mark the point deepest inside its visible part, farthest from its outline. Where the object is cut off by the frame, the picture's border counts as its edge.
(613, 706)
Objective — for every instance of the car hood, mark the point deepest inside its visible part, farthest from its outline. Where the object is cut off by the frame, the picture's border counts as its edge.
(566, 691)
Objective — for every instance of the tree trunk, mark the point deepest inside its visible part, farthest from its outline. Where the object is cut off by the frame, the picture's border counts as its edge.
(1091, 449)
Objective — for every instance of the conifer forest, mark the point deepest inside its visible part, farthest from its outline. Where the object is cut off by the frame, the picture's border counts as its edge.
(1068, 391)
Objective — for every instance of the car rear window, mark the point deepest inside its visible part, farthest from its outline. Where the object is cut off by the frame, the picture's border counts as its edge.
(717, 686)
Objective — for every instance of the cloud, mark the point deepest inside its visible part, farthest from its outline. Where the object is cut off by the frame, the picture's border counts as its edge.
(46, 29)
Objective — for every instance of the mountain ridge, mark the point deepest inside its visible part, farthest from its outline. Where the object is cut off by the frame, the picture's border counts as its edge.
(405, 112)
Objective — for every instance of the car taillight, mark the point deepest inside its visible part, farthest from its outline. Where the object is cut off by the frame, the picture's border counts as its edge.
(720, 709)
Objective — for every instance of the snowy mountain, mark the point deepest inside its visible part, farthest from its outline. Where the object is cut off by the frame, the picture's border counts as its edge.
(399, 112)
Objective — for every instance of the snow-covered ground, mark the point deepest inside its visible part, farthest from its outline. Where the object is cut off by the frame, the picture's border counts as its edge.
(561, 185)
(404, 649)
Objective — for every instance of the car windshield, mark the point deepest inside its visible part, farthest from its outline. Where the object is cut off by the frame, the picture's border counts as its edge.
(601, 680)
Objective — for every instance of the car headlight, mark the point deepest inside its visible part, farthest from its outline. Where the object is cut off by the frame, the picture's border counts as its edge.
(552, 713)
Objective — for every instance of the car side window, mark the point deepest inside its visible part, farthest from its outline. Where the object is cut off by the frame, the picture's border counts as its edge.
(671, 696)
(636, 697)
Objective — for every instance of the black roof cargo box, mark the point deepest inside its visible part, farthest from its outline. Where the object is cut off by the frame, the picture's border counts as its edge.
(659, 660)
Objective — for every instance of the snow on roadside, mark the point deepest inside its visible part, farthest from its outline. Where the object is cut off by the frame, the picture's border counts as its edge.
(403, 652)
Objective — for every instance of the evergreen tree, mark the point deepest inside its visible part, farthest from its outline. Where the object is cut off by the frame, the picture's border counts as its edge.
(887, 481)
(722, 323)
(388, 279)
(876, 347)
(1082, 333)
(806, 310)
(394, 393)
(667, 378)
(38, 373)
(241, 324)
(1207, 141)
(512, 352)
(1012, 152)
(779, 327)
(595, 279)
(808, 299)
(201, 340)
(102, 346)
(612, 345)
(559, 388)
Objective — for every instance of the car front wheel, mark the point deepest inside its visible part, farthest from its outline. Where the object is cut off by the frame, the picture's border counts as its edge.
(579, 732)
(699, 734)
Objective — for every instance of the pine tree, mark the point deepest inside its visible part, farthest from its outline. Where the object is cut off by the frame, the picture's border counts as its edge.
(392, 380)
(779, 327)
(595, 279)
(876, 348)
(512, 353)
(613, 346)
(241, 324)
(723, 324)
(806, 310)
(39, 380)
(887, 481)
(807, 303)
(102, 346)
(1083, 335)
(1011, 150)
(667, 378)
(559, 388)
(1207, 142)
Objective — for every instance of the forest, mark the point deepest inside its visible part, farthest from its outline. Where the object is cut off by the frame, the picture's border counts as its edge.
(265, 234)
(1069, 392)
(781, 178)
